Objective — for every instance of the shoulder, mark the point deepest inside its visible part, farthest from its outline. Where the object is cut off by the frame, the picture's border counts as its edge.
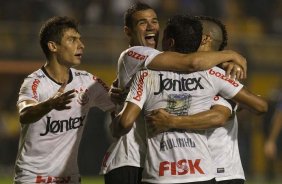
(35, 78)
(220, 74)
(80, 73)
(139, 52)
(37, 74)
(89, 78)
(145, 74)
(82, 76)
(217, 72)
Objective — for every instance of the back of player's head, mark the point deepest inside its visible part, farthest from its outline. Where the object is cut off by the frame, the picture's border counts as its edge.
(186, 33)
(138, 6)
(53, 30)
(216, 29)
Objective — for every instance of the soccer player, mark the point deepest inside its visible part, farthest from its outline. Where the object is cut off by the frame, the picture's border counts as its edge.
(124, 159)
(53, 105)
(276, 126)
(223, 141)
(177, 155)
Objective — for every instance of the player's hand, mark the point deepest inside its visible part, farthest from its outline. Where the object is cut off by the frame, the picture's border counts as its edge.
(117, 95)
(270, 150)
(158, 121)
(233, 71)
(239, 60)
(61, 99)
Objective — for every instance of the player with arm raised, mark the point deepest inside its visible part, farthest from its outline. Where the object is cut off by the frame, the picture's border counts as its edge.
(53, 105)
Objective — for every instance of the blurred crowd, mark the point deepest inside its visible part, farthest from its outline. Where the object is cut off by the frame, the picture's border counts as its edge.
(267, 13)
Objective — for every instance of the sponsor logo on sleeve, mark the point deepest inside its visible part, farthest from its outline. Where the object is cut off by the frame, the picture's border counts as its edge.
(140, 86)
(223, 77)
(34, 88)
(136, 55)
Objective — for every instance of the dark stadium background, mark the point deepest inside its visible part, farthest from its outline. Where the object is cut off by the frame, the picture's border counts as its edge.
(255, 31)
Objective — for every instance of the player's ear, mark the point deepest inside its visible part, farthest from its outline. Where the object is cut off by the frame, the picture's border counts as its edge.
(171, 42)
(127, 31)
(52, 46)
(205, 39)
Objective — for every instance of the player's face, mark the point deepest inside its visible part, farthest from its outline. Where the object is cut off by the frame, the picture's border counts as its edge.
(70, 50)
(145, 29)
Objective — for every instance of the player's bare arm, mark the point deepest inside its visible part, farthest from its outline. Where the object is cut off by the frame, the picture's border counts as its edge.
(251, 101)
(123, 122)
(197, 61)
(160, 120)
(270, 147)
(31, 111)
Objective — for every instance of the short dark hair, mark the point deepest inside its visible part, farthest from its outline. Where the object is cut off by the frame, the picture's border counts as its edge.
(224, 37)
(186, 32)
(138, 6)
(53, 30)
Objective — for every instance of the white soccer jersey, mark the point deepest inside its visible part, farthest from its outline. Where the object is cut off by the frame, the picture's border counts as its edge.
(130, 149)
(133, 60)
(48, 148)
(179, 156)
(223, 145)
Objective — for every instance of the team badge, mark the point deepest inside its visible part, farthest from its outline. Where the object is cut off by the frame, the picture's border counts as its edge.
(83, 97)
(178, 104)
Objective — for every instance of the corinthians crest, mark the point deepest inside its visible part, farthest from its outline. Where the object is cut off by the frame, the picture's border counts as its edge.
(178, 104)
(83, 97)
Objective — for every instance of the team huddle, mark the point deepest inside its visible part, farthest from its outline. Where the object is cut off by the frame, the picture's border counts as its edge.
(174, 111)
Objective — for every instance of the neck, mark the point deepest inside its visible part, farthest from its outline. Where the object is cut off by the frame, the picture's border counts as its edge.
(58, 72)
(204, 47)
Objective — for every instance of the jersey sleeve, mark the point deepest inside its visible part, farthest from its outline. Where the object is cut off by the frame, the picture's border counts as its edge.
(138, 90)
(225, 86)
(218, 100)
(100, 97)
(133, 60)
(141, 54)
(29, 89)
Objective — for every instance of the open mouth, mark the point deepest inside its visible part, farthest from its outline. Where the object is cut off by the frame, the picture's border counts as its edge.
(79, 55)
(150, 38)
